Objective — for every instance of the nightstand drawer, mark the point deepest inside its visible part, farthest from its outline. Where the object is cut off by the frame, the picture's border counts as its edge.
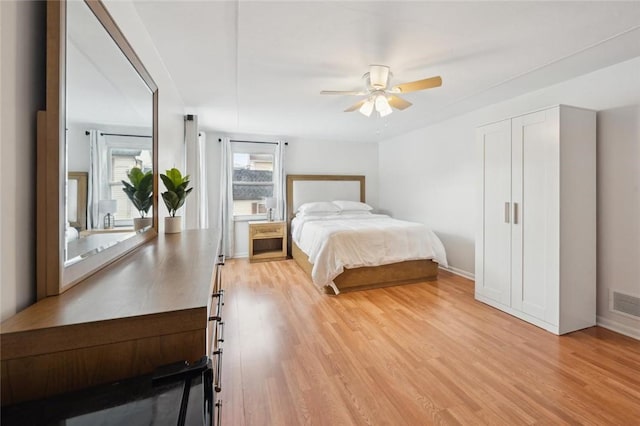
(267, 230)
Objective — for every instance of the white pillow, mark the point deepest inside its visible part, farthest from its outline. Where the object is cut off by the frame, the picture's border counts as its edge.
(70, 233)
(316, 214)
(352, 205)
(319, 206)
(358, 212)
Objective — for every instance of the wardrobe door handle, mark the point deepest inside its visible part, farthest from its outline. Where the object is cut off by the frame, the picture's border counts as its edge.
(507, 209)
(515, 213)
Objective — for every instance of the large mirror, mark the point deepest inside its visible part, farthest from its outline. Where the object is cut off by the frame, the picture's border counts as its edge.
(109, 124)
(106, 146)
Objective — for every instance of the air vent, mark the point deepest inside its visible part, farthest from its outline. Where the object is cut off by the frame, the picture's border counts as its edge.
(625, 304)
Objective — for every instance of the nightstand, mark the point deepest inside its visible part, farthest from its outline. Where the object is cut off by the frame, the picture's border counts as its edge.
(267, 241)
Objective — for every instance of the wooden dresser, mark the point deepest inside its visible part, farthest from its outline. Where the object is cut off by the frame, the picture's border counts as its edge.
(159, 305)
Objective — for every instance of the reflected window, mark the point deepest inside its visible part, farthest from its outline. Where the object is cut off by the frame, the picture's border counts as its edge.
(121, 161)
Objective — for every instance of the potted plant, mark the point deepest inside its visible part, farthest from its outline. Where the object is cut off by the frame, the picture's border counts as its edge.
(174, 197)
(140, 192)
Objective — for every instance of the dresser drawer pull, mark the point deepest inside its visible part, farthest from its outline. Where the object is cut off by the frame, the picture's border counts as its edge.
(221, 330)
(216, 384)
(218, 314)
(219, 294)
(217, 287)
(219, 412)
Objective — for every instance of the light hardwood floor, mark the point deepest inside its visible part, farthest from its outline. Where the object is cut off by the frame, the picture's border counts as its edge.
(418, 354)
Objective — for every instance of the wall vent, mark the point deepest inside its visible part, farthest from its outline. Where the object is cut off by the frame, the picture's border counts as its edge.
(624, 304)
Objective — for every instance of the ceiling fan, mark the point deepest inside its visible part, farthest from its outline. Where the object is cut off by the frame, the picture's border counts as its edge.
(379, 95)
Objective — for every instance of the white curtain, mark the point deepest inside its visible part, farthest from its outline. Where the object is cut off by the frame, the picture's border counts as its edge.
(203, 195)
(225, 218)
(98, 166)
(196, 211)
(280, 182)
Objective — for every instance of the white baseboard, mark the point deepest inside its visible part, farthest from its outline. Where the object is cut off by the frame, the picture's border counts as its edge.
(617, 327)
(460, 272)
(240, 255)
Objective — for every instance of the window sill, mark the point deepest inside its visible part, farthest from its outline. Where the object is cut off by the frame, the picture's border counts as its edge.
(249, 217)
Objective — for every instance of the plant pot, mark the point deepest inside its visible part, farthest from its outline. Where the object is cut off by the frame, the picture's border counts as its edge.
(142, 222)
(172, 225)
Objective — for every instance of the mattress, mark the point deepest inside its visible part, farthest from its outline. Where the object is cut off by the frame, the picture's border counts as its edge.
(335, 242)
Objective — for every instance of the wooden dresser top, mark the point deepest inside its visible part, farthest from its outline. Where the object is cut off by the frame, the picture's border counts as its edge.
(170, 273)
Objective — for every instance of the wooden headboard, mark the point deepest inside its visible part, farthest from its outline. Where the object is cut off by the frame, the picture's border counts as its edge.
(77, 202)
(321, 188)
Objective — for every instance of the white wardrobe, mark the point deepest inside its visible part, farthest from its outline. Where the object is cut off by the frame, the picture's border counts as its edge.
(536, 241)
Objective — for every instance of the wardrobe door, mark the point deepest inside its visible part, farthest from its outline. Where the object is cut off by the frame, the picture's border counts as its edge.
(535, 212)
(493, 242)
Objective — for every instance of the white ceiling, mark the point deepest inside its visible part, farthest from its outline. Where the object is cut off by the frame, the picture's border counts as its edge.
(258, 67)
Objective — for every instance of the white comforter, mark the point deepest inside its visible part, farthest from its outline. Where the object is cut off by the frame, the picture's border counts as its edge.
(351, 241)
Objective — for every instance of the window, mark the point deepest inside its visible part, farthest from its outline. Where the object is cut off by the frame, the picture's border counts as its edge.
(252, 182)
(121, 161)
(252, 171)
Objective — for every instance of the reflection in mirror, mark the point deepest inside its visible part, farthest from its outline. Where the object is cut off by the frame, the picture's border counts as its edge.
(109, 122)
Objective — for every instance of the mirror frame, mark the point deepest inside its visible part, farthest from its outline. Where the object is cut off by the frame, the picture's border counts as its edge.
(52, 277)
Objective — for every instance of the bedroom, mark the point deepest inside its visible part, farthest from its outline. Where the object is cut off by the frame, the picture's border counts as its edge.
(434, 163)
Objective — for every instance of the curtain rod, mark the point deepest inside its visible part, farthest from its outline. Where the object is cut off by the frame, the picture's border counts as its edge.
(268, 143)
(120, 134)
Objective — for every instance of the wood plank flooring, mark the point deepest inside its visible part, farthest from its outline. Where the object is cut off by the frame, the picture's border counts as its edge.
(418, 354)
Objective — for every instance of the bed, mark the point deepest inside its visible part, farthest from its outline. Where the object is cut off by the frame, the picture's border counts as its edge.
(354, 250)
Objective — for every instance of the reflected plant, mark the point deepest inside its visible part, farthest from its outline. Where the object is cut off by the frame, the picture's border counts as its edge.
(140, 190)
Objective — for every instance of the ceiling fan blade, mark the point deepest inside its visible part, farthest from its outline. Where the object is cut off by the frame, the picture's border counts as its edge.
(398, 103)
(427, 83)
(355, 106)
(342, 92)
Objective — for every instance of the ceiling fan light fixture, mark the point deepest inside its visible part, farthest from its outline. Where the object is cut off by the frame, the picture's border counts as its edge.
(382, 106)
(379, 95)
(379, 76)
(367, 108)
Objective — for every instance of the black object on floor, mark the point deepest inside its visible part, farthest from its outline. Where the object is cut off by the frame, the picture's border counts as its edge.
(181, 393)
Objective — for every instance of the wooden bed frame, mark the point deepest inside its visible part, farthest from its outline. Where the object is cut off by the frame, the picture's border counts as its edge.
(358, 278)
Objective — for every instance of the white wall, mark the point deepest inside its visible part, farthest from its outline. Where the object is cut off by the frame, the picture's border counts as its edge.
(618, 165)
(22, 55)
(429, 175)
(324, 157)
(302, 157)
(78, 141)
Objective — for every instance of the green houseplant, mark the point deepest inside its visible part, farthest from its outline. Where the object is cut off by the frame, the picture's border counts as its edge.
(139, 189)
(174, 197)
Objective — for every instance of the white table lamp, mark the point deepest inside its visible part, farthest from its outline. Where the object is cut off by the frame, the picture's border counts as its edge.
(270, 204)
